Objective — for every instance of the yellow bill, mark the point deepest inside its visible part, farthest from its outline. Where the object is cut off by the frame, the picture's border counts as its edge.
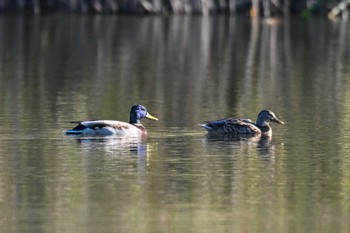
(149, 116)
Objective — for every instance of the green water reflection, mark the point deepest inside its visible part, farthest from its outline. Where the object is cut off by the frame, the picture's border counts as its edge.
(55, 69)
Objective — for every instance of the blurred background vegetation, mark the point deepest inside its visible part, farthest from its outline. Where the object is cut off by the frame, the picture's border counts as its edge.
(255, 8)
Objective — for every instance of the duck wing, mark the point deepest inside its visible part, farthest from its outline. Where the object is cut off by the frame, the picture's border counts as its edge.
(106, 123)
(232, 126)
(104, 127)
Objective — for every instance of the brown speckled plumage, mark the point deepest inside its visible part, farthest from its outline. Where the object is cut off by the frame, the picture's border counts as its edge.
(239, 126)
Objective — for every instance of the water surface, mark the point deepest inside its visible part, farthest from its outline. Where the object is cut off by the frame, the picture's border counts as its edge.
(185, 70)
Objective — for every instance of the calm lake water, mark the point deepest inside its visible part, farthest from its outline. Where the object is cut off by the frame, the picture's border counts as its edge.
(185, 70)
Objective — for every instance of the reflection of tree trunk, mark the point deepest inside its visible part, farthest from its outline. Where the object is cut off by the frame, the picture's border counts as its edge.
(205, 7)
(286, 6)
(338, 58)
(288, 57)
(264, 59)
(232, 6)
(267, 8)
(36, 6)
(275, 59)
(250, 64)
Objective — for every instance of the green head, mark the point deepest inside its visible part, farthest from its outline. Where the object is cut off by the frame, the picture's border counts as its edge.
(138, 112)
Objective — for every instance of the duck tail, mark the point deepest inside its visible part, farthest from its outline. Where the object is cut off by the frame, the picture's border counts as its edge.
(72, 131)
(206, 126)
(77, 129)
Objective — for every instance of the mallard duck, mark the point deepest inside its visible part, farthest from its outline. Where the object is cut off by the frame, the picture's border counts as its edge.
(233, 126)
(111, 127)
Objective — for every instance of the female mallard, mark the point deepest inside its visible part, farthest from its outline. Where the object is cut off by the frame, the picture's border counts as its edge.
(118, 128)
(232, 126)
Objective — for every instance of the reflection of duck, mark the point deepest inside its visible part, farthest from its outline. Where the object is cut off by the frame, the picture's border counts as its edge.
(114, 145)
(261, 142)
(111, 127)
(233, 126)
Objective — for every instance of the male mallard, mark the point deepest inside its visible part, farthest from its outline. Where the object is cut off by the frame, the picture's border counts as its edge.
(231, 126)
(118, 128)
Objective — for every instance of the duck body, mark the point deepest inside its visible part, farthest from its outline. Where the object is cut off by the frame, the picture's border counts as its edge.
(238, 126)
(114, 128)
(107, 128)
